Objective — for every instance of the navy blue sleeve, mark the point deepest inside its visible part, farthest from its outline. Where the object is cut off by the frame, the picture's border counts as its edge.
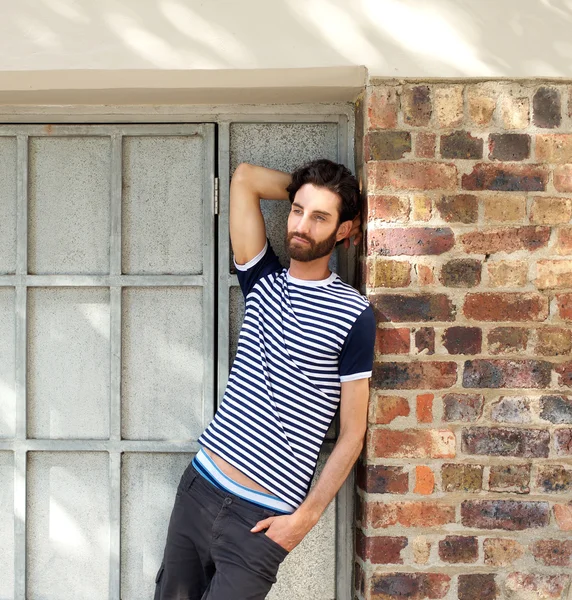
(356, 357)
(261, 265)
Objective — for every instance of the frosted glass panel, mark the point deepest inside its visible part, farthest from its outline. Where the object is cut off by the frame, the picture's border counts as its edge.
(8, 182)
(6, 525)
(7, 363)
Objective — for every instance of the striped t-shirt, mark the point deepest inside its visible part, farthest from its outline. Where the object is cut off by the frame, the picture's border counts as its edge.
(299, 340)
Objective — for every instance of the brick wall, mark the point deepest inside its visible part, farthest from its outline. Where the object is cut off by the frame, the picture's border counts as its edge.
(464, 487)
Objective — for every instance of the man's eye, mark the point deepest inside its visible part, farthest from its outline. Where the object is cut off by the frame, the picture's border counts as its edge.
(319, 218)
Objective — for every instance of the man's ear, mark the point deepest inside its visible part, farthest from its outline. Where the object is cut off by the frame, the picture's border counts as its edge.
(343, 230)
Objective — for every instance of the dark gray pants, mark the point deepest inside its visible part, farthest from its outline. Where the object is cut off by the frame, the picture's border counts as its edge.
(210, 553)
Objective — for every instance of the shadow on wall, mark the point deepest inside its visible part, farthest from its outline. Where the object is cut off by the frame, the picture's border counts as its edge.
(435, 38)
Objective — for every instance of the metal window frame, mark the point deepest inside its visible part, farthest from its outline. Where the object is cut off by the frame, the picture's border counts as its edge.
(134, 118)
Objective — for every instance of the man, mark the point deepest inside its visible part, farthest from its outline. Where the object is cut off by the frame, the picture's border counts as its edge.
(305, 350)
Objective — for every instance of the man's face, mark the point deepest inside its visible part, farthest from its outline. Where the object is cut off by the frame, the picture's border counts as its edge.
(313, 223)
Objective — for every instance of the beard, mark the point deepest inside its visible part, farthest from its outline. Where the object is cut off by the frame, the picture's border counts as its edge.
(311, 251)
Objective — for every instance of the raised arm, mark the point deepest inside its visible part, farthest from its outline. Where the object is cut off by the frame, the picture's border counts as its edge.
(251, 183)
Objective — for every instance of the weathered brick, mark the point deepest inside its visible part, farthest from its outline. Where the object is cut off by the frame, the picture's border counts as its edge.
(461, 208)
(505, 273)
(564, 240)
(380, 550)
(424, 480)
(392, 209)
(556, 409)
(392, 341)
(500, 208)
(425, 340)
(421, 307)
(459, 549)
(510, 478)
(563, 442)
(463, 340)
(563, 178)
(511, 239)
(409, 514)
(416, 105)
(414, 375)
(461, 272)
(382, 107)
(506, 306)
(412, 176)
(421, 550)
(381, 479)
(529, 586)
(462, 407)
(461, 145)
(413, 443)
(511, 515)
(461, 477)
(551, 211)
(563, 516)
(497, 441)
(478, 586)
(448, 103)
(554, 148)
(384, 409)
(564, 303)
(501, 373)
(359, 579)
(421, 207)
(425, 274)
(425, 144)
(411, 241)
(481, 100)
(554, 478)
(511, 409)
(553, 553)
(554, 341)
(564, 372)
(506, 178)
(388, 273)
(514, 112)
(509, 146)
(424, 408)
(547, 108)
(502, 552)
(387, 145)
(413, 586)
(502, 340)
(554, 274)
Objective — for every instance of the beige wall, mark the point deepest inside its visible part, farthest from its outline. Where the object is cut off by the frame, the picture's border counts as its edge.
(397, 38)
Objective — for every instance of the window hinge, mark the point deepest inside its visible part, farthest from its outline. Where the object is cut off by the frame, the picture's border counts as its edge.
(216, 196)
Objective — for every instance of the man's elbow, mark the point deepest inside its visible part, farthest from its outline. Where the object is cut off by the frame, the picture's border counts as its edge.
(242, 174)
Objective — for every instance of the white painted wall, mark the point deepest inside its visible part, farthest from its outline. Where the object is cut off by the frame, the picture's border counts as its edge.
(405, 38)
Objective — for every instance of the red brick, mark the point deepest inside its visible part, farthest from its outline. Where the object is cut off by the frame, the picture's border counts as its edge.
(564, 303)
(540, 587)
(463, 340)
(502, 552)
(418, 307)
(461, 273)
(459, 549)
(382, 479)
(416, 102)
(460, 208)
(509, 409)
(412, 176)
(503, 340)
(412, 443)
(564, 372)
(392, 341)
(554, 274)
(554, 341)
(506, 441)
(424, 480)
(510, 478)
(461, 145)
(425, 340)
(425, 275)
(563, 442)
(413, 586)
(384, 409)
(509, 146)
(478, 586)
(425, 408)
(510, 515)
(382, 107)
(506, 306)
(380, 550)
(547, 107)
(392, 209)
(506, 178)
(506, 373)
(554, 479)
(462, 407)
(409, 514)
(563, 516)
(553, 553)
(414, 375)
(508, 240)
(563, 178)
(425, 145)
(410, 241)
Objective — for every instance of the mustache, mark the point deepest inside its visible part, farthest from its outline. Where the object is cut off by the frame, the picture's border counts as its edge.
(302, 236)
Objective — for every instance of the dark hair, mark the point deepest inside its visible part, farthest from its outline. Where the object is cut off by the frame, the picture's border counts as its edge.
(332, 176)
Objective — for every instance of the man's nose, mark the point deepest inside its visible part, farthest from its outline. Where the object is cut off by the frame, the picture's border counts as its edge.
(303, 225)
